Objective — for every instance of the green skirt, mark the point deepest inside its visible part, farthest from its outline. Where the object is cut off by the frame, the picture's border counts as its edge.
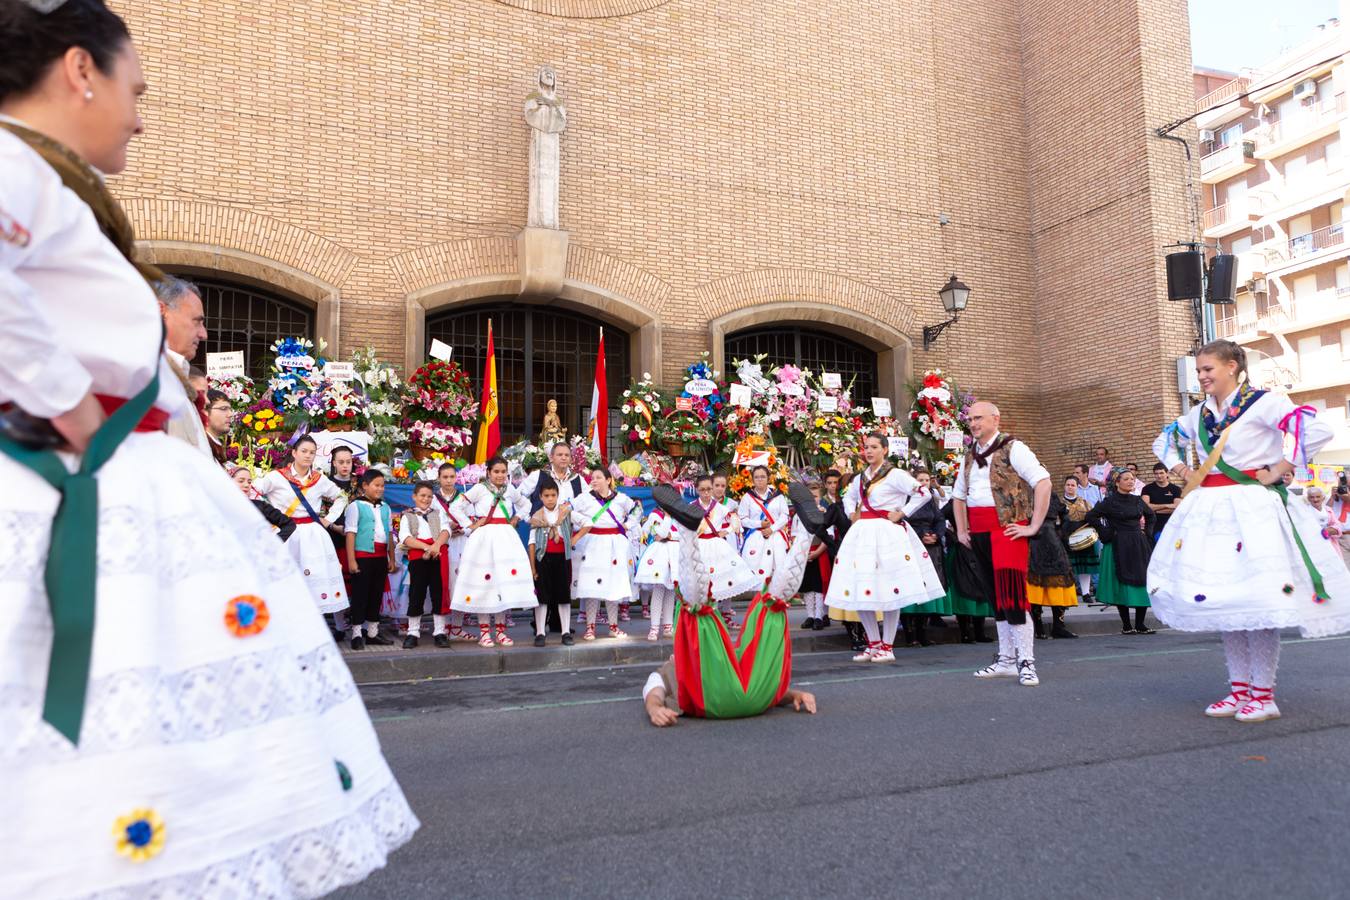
(1109, 588)
(956, 602)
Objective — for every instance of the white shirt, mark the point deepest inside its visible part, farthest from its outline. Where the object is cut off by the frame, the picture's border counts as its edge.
(415, 526)
(973, 484)
(75, 316)
(659, 526)
(1099, 472)
(458, 512)
(898, 490)
(187, 424)
(351, 522)
(479, 502)
(752, 514)
(565, 484)
(1256, 440)
(586, 507)
(275, 489)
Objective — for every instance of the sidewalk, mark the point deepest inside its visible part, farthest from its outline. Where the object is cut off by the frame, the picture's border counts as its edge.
(380, 664)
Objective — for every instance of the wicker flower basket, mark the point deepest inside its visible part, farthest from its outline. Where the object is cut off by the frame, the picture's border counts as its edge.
(339, 425)
(420, 452)
(676, 449)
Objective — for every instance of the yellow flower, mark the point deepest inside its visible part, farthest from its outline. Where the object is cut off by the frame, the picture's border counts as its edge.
(272, 424)
(266, 414)
(139, 834)
(826, 446)
(259, 426)
(264, 442)
(248, 419)
(820, 422)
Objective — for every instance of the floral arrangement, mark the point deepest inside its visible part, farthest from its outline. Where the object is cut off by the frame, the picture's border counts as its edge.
(707, 408)
(440, 407)
(527, 455)
(471, 474)
(583, 457)
(643, 403)
(939, 407)
(238, 389)
(342, 404)
(384, 391)
(683, 427)
(296, 383)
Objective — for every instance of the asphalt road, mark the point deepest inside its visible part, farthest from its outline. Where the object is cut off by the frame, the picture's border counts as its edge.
(914, 779)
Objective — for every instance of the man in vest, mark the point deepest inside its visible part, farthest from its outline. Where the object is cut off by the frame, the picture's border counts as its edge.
(184, 329)
(1000, 500)
(560, 470)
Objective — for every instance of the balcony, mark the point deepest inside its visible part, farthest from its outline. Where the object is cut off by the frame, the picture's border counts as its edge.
(1235, 215)
(1306, 313)
(1316, 241)
(1220, 98)
(1307, 125)
(1227, 161)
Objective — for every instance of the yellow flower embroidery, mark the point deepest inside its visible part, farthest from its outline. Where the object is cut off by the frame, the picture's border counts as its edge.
(139, 834)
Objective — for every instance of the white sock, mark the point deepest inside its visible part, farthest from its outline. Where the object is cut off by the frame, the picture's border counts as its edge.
(1006, 648)
(592, 610)
(1024, 641)
(372, 629)
(612, 609)
(414, 626)
(890, 621)
(565, 616)
(437, 624)
(540, 614)
(869, 624)
(1263, 648)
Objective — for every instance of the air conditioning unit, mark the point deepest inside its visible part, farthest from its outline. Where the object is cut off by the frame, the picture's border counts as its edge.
(1258, 286)
(1206, 136)
(1305, 90)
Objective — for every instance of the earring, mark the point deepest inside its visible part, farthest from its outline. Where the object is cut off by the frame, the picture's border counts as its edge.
(89, 95)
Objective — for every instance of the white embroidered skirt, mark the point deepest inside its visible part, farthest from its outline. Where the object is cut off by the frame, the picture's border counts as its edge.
(1227, 561)
(312, 549)
(882, 565)
(223, 739)
(602, 568)
(494, 573)
(659, 564)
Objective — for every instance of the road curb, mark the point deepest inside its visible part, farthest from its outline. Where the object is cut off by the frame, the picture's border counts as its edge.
(373, 666)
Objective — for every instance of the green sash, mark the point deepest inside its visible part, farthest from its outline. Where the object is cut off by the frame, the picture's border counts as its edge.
(1237, 475)
(71, 578)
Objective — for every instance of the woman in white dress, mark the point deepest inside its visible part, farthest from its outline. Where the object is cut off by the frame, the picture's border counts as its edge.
(602, 522)
(658, 571)
(298, 490)
(728, 574)
(494, 571)
(1238, 556)
(764, 512)
(177, 719)
(882, 565)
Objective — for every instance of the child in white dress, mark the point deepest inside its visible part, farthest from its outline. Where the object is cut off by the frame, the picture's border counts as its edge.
(601, 548)
(658, 571)
(494, 572)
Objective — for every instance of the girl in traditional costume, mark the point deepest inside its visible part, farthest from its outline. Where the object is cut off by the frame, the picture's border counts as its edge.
(658, 571)
(299, 490)
(1126, 546)
(178, 720)
(448, 497)
(764, 515)
(601, 564)
(494, 572)
(1238, 556)
(729, 575)
(882, 565)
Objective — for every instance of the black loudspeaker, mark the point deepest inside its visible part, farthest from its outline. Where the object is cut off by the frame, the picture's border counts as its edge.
(1185, 275)
(1222, 278)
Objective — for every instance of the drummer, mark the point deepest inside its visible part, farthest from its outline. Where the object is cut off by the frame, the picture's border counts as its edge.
(1080, 536)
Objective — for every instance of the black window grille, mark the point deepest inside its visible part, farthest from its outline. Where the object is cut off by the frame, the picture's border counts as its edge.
(542, 354)
(810, 349)
(249, 319)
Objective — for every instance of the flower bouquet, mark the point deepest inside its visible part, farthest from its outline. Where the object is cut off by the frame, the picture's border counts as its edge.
(583, 457)
(938, 408)
(296, 383)
(343, 408)
(238, 389)
(683, 433)
(440, 411)
(643, 403)
(384, 391)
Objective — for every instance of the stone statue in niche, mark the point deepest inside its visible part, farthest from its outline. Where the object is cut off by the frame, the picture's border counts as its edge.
(547, 118)
(553, 427)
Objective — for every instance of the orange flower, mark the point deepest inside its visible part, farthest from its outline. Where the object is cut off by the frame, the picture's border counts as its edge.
(246, 615)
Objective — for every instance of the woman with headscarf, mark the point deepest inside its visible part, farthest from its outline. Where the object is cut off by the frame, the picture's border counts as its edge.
(1124, 523)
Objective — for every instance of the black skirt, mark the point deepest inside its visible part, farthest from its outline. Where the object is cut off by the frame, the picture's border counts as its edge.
(554, 582)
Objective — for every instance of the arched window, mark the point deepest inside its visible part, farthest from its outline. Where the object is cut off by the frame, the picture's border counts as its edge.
(542, 354)
(810, 349)
(240, 317)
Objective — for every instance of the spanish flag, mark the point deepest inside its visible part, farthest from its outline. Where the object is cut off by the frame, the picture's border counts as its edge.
(490, 432)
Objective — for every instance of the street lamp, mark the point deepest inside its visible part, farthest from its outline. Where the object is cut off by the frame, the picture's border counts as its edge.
(954, 296)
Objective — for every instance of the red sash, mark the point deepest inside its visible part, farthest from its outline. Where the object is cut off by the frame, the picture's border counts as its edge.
(607, 531)
(378, 551)
(874, 514)
(762, 507)
(1010, 556)
(1216, 479)
(154, 419)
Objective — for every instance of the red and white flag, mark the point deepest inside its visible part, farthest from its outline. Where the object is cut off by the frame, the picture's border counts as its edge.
(599, 424)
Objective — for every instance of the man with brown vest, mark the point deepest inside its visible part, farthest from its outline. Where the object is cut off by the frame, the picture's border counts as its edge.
(1000, 500)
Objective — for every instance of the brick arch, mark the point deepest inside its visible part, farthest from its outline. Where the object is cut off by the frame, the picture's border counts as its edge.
(831, 302)
(453, 272)
(207, 239)
(585, 9)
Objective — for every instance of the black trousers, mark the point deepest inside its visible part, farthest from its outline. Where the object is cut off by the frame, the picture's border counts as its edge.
(984, 550)
(424, 577)
(368, 588)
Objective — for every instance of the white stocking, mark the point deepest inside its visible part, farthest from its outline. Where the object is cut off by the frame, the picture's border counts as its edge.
(869, 624)
(1006, 648)
(414, 626)
(1085, 584)
(612, 608)
(540, 614)
(565, 616)
(1263, 649)
(890, 621)
(438, 624)
(1024, 641)
(663, 606)
(592, 605)
(1237, 656)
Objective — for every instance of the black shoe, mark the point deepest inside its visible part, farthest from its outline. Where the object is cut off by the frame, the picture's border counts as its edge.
(441, 641)
(982, 638)
(967, 639)
(936, 621)
(820, 624)
(539, 640)
(379, 639)
(1038, 628)
(925, 642)
(1059, 631)
(1127, 631)
(339, 636)
(672, 501)
(410, 642)
(1145, 630)
(807, 509)
(808, 623)
(567, 639)
(358, 643)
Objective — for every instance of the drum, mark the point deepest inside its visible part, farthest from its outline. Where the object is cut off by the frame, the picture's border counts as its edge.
(1083, 539)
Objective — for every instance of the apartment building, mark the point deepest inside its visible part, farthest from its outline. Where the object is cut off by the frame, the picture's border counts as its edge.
(1275, 180)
